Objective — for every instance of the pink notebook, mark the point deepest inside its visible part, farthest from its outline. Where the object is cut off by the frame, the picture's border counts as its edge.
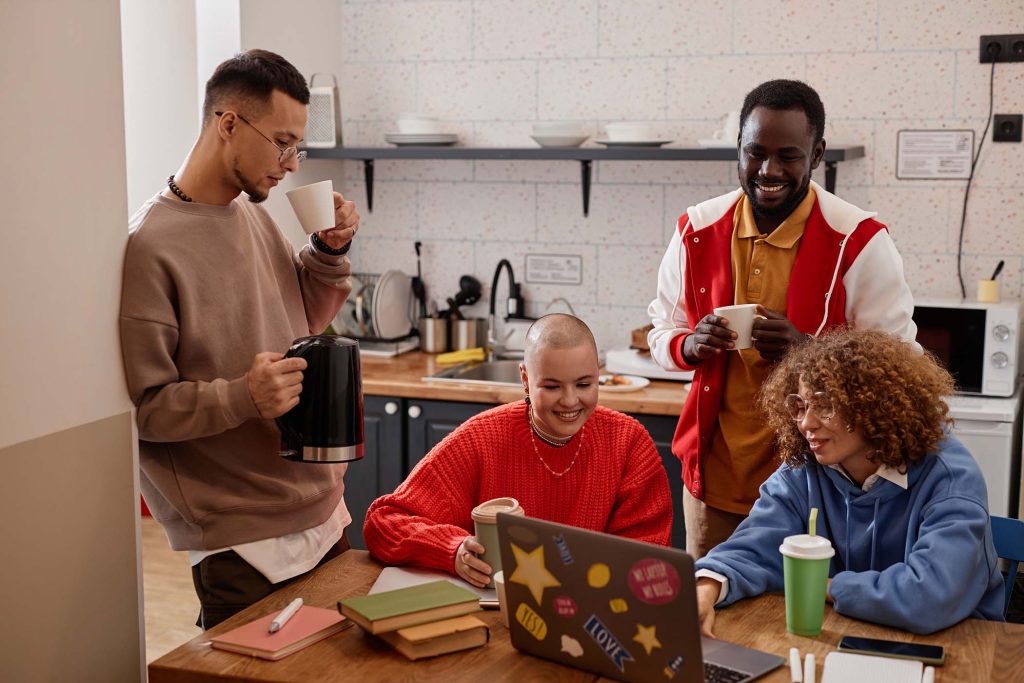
(309, 625)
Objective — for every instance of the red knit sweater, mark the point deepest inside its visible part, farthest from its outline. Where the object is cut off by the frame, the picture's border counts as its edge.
(617, 485)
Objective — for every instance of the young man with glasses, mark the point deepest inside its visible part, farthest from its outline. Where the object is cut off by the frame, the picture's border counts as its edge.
(862, 426)
(810, 262)
(212, 296)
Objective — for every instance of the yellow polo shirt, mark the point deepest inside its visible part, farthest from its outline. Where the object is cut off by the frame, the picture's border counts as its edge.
(742, 453)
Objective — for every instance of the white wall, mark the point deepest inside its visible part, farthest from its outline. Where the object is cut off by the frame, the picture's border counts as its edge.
(69, 581)
(161, 100)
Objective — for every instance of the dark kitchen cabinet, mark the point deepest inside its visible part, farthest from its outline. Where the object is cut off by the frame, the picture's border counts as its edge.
(382, 468)
(661, 428)
(430, 421)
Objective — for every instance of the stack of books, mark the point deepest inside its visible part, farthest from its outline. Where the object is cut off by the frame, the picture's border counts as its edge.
(421, 621)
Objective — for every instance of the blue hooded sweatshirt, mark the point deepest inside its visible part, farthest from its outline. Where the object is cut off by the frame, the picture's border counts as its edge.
(919, 559)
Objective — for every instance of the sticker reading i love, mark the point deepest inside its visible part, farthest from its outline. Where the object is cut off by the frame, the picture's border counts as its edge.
(655, 582)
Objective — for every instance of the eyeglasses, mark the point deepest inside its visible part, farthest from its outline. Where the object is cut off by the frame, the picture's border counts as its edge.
(797, 407)
(287, 153)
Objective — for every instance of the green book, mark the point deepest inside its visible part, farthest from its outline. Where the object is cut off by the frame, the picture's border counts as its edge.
(426, 602)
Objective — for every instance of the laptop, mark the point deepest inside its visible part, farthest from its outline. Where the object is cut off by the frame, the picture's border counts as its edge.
(614, 606)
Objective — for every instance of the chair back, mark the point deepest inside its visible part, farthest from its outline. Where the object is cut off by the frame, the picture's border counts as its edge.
(1008, 536)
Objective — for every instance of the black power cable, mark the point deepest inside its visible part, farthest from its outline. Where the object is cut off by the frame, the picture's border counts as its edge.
(992, 50)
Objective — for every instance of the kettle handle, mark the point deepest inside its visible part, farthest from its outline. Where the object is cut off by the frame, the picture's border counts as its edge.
(289, 433)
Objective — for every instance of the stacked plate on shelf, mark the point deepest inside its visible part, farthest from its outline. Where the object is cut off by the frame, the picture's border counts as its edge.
(420, 130)
(558, 134)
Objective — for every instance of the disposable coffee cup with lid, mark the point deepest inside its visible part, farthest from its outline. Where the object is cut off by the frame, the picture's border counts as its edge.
(805, 564)
(485, 520)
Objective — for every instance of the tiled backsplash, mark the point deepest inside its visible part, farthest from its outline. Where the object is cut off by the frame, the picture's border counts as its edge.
(493, 68)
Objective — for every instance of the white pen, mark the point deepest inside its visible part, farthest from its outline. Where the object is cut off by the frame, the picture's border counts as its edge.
(929, 675)
(794, 666)
(809, 672)
(284, 615)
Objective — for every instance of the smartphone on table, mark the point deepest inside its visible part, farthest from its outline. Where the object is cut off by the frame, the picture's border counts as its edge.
(929, 654)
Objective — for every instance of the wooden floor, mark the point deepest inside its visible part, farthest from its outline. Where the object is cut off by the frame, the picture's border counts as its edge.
(171, 605)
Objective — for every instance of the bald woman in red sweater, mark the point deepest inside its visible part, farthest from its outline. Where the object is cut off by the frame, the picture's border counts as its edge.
(563, 457)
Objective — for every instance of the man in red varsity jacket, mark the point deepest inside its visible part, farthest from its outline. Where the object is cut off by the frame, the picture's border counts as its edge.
(811, 262)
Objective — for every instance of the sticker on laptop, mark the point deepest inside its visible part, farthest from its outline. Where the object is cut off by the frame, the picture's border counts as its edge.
(656, 582)
(531, 621)
(598, 575)
(647, 636)
(618, 605)
(608, 643)
(673, 666)
(563, 549)
(571, 646)
(531, 572)
(565, 606)
(522, 534)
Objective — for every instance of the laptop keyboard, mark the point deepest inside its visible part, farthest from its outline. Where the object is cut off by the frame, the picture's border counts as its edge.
(719, 674)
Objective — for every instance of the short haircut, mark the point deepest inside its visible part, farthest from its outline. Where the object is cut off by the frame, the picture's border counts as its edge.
(559, 331)
(783, 95)
(879, 385)
(249, 79)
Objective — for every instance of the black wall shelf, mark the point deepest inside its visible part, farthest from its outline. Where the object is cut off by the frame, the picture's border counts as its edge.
(585, 155)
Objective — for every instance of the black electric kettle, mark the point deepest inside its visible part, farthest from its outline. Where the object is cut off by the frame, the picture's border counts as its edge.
(327, 424)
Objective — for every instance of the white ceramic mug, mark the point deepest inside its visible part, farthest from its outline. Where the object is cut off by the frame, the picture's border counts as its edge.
(730, 129)
(741, 321)
(314, 205)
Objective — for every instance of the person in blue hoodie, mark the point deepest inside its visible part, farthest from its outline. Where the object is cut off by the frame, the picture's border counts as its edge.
(862, 429)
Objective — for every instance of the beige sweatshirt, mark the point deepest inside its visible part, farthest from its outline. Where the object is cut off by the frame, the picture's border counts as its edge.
(205, 289)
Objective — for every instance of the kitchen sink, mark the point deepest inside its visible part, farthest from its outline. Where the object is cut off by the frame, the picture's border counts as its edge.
(495, 372)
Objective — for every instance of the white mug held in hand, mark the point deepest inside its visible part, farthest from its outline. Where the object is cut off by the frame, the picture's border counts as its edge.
(314, 206)
(741, 321)
(730, 129)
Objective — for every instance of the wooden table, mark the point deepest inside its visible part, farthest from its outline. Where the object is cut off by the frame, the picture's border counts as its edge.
(975, 650)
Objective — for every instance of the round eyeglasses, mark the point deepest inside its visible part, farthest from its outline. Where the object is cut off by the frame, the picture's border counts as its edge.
(287, 153)
(797, 407)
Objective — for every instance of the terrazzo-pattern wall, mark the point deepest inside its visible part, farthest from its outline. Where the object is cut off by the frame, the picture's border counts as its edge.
(492, 68)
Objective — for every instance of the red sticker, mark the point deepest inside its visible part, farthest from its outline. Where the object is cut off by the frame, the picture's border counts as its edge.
(654, 581)
(565, 606)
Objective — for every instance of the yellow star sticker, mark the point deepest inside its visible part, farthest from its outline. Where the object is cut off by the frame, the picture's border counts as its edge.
(645, 636)
(531, 572)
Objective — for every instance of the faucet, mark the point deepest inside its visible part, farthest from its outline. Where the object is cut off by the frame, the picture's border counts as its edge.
(513, 307)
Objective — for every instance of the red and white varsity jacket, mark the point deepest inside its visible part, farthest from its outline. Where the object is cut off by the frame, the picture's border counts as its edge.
(847, 270)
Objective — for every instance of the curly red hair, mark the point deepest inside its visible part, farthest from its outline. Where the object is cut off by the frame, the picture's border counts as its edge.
(880, 385)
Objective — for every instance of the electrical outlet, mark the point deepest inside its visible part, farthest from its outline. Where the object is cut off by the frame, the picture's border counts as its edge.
(1004, 48)
(1007, 127)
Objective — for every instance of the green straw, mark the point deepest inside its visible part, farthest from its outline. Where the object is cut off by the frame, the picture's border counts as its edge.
(812, 523)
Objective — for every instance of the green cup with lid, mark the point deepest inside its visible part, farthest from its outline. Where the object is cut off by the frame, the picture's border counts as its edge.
(805, 563)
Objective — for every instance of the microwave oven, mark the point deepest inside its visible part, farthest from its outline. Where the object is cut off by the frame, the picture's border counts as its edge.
(979, 343)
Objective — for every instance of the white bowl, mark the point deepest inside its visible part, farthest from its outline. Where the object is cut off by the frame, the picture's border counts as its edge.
(559, 140)
(419, 126)
(563, 129)
(629, 131)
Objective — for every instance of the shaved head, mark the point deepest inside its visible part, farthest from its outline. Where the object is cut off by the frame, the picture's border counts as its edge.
(557, 331)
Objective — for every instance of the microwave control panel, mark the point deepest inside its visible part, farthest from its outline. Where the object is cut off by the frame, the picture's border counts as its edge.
(1002, 348)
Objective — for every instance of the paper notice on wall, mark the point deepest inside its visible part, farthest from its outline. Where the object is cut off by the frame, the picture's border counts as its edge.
(934, 154)
(554, 269)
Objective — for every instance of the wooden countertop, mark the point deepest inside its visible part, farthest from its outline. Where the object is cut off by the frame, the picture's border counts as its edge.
(402, 375)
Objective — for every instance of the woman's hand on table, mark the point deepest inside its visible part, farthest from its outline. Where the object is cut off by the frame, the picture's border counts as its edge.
(707, 595)
(468, 566)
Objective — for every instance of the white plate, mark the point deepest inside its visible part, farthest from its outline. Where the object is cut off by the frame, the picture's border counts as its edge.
(391, 305)
(559, 140)
(716, 144)
(632, 143)
(420, 137)
(635, 383)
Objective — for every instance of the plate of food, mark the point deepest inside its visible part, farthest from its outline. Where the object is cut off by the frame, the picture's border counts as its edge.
(622, 382)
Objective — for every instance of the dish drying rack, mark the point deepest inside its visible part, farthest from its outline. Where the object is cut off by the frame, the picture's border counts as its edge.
(372, 345)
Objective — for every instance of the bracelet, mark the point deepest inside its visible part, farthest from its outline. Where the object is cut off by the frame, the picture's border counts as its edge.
(330, 251)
